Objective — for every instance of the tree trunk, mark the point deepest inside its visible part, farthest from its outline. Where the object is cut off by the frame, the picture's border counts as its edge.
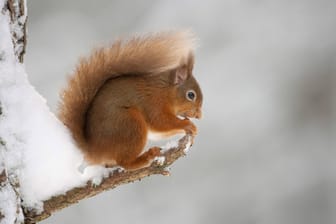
(12, 22)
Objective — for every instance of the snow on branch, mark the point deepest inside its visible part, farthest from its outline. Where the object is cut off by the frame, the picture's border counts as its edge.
(113, 180)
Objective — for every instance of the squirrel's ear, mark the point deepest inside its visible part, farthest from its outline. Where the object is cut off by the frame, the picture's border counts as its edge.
(180, 75)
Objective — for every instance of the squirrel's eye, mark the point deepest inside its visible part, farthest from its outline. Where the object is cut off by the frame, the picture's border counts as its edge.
(191, 95)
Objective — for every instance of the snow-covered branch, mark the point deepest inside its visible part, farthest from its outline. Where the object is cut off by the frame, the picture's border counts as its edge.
(112, 180)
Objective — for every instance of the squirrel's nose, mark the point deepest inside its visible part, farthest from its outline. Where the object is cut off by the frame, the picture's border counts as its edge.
(198, 114)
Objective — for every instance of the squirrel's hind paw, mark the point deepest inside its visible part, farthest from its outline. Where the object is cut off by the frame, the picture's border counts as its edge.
(159, 160)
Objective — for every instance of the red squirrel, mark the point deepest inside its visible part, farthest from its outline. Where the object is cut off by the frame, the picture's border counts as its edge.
(121, 93)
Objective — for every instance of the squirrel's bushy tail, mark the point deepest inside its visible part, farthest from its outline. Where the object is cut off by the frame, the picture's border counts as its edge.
(140, 55)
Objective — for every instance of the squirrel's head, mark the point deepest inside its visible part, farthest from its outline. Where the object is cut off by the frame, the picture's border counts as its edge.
(187, 93)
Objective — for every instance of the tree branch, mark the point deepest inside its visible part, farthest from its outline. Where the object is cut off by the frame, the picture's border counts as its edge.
(113, 180)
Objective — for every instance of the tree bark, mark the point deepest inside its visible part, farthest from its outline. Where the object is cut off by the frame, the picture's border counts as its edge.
(17, 11)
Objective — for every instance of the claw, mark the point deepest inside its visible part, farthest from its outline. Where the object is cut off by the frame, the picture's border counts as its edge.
(159, 160)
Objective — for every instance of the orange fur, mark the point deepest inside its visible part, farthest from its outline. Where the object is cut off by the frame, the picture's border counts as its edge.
(108, 104)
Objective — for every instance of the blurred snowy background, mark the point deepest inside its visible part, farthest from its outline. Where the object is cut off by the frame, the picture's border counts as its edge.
(265, 153)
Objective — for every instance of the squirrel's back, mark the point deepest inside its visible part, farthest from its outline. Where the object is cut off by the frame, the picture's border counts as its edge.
(139, 55)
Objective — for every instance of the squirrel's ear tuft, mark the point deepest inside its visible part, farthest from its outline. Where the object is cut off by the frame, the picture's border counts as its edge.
(180, 75)
(190, 62)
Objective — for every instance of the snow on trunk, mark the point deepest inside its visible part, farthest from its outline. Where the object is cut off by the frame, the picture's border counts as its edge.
(38, 158)
(10, 202)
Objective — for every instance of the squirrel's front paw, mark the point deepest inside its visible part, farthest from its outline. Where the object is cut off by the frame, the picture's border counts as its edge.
(191, 129)
(156, 156)
(154, 152)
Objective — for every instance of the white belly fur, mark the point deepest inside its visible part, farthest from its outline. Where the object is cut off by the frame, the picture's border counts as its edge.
(156, 136)
(162, 139)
